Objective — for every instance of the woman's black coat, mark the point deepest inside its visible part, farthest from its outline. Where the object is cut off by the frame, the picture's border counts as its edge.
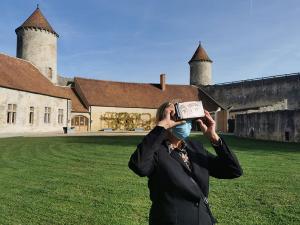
(178, 194)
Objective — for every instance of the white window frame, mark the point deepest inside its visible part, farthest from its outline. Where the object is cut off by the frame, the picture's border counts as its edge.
(60, 116)
(11, 113)
(47, 115)
(31, 115)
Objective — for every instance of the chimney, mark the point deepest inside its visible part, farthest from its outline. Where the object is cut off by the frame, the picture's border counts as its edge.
(163, 82)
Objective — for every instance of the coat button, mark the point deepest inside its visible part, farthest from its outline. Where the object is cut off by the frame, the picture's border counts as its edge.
(197, 204)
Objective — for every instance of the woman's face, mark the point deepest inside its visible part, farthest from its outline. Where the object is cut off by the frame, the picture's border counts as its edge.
(182, 131)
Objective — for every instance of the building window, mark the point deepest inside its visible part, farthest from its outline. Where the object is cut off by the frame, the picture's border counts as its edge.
(47, 115)
(31, 115)
(11, 113)
(60, 116)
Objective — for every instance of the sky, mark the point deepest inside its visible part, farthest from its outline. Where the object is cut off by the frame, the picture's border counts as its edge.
(137, 40)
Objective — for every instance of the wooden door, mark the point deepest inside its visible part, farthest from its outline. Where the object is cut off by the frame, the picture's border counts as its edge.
(81, 123)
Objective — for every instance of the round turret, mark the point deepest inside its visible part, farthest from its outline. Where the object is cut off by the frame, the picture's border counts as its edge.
(200, 68)
(37, 43)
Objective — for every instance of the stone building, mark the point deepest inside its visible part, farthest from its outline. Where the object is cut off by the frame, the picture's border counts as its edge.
(258, 108)
(34, 98)
(29, 102)
(131, 106)
(262, 108)
(279, 125)
(261, 94)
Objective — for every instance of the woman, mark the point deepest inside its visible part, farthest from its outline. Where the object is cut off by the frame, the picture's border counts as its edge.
(178, 169)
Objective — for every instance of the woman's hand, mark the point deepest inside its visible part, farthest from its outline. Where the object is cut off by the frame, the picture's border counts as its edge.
(208, 127)
(167, 122)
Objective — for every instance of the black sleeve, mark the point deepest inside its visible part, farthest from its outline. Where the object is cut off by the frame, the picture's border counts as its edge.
(225, 164)
(142, 161)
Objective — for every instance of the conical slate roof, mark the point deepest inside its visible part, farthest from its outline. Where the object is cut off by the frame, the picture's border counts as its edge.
(38, 21)
(200, 55)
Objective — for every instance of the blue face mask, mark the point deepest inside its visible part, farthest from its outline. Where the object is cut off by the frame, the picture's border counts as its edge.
(182, 131)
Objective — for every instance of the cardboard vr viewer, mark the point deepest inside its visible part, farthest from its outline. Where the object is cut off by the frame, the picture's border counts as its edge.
(188, 110)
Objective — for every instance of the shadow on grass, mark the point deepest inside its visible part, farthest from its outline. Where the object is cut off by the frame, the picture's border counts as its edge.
(241, 144)
(236, 143)
(106, 140)
(253, 145)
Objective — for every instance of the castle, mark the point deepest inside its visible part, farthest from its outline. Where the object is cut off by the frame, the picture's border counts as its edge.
(34, 98)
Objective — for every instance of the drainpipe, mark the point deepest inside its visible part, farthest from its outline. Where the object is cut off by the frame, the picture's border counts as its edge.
(67, 113)
(216, 117)
(90, 112)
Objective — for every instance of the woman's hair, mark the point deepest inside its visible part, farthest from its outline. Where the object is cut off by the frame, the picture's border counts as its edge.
(160, 111)
(162, 107)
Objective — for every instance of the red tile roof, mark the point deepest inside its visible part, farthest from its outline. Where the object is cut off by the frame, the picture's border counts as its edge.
(200, 55)
(21, 75)
(139, 95)
(38, 21)
(77, 105)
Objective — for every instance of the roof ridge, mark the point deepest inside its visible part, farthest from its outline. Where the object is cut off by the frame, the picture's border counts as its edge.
(124, 82)
(84, 78)
(123, 94)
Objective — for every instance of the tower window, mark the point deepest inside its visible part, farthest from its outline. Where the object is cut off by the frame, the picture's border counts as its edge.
(11, 113)
(50, 72)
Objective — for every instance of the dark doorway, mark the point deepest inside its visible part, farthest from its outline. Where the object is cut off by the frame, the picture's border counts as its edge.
(287, 136)
(231, 125)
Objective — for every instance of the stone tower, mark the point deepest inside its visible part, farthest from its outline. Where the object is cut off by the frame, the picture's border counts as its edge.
(37, 43)
(200, 68)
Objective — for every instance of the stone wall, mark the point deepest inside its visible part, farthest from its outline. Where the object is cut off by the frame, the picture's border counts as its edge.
(282, 105)
(24, 100)
(277, 125)
(200, 73)
(259, 92)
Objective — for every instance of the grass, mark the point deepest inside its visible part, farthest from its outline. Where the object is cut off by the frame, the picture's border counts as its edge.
(85, 180)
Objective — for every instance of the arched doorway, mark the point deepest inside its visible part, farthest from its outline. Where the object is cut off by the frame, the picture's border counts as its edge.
(81, 123)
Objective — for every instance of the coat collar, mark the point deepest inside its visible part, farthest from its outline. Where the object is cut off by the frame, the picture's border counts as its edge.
(177, 157)
(193, 156)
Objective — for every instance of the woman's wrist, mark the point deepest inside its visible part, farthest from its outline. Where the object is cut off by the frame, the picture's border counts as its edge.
(162, 124)
(214, 138)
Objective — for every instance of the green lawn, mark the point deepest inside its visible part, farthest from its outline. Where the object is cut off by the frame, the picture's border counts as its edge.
(85, 180)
